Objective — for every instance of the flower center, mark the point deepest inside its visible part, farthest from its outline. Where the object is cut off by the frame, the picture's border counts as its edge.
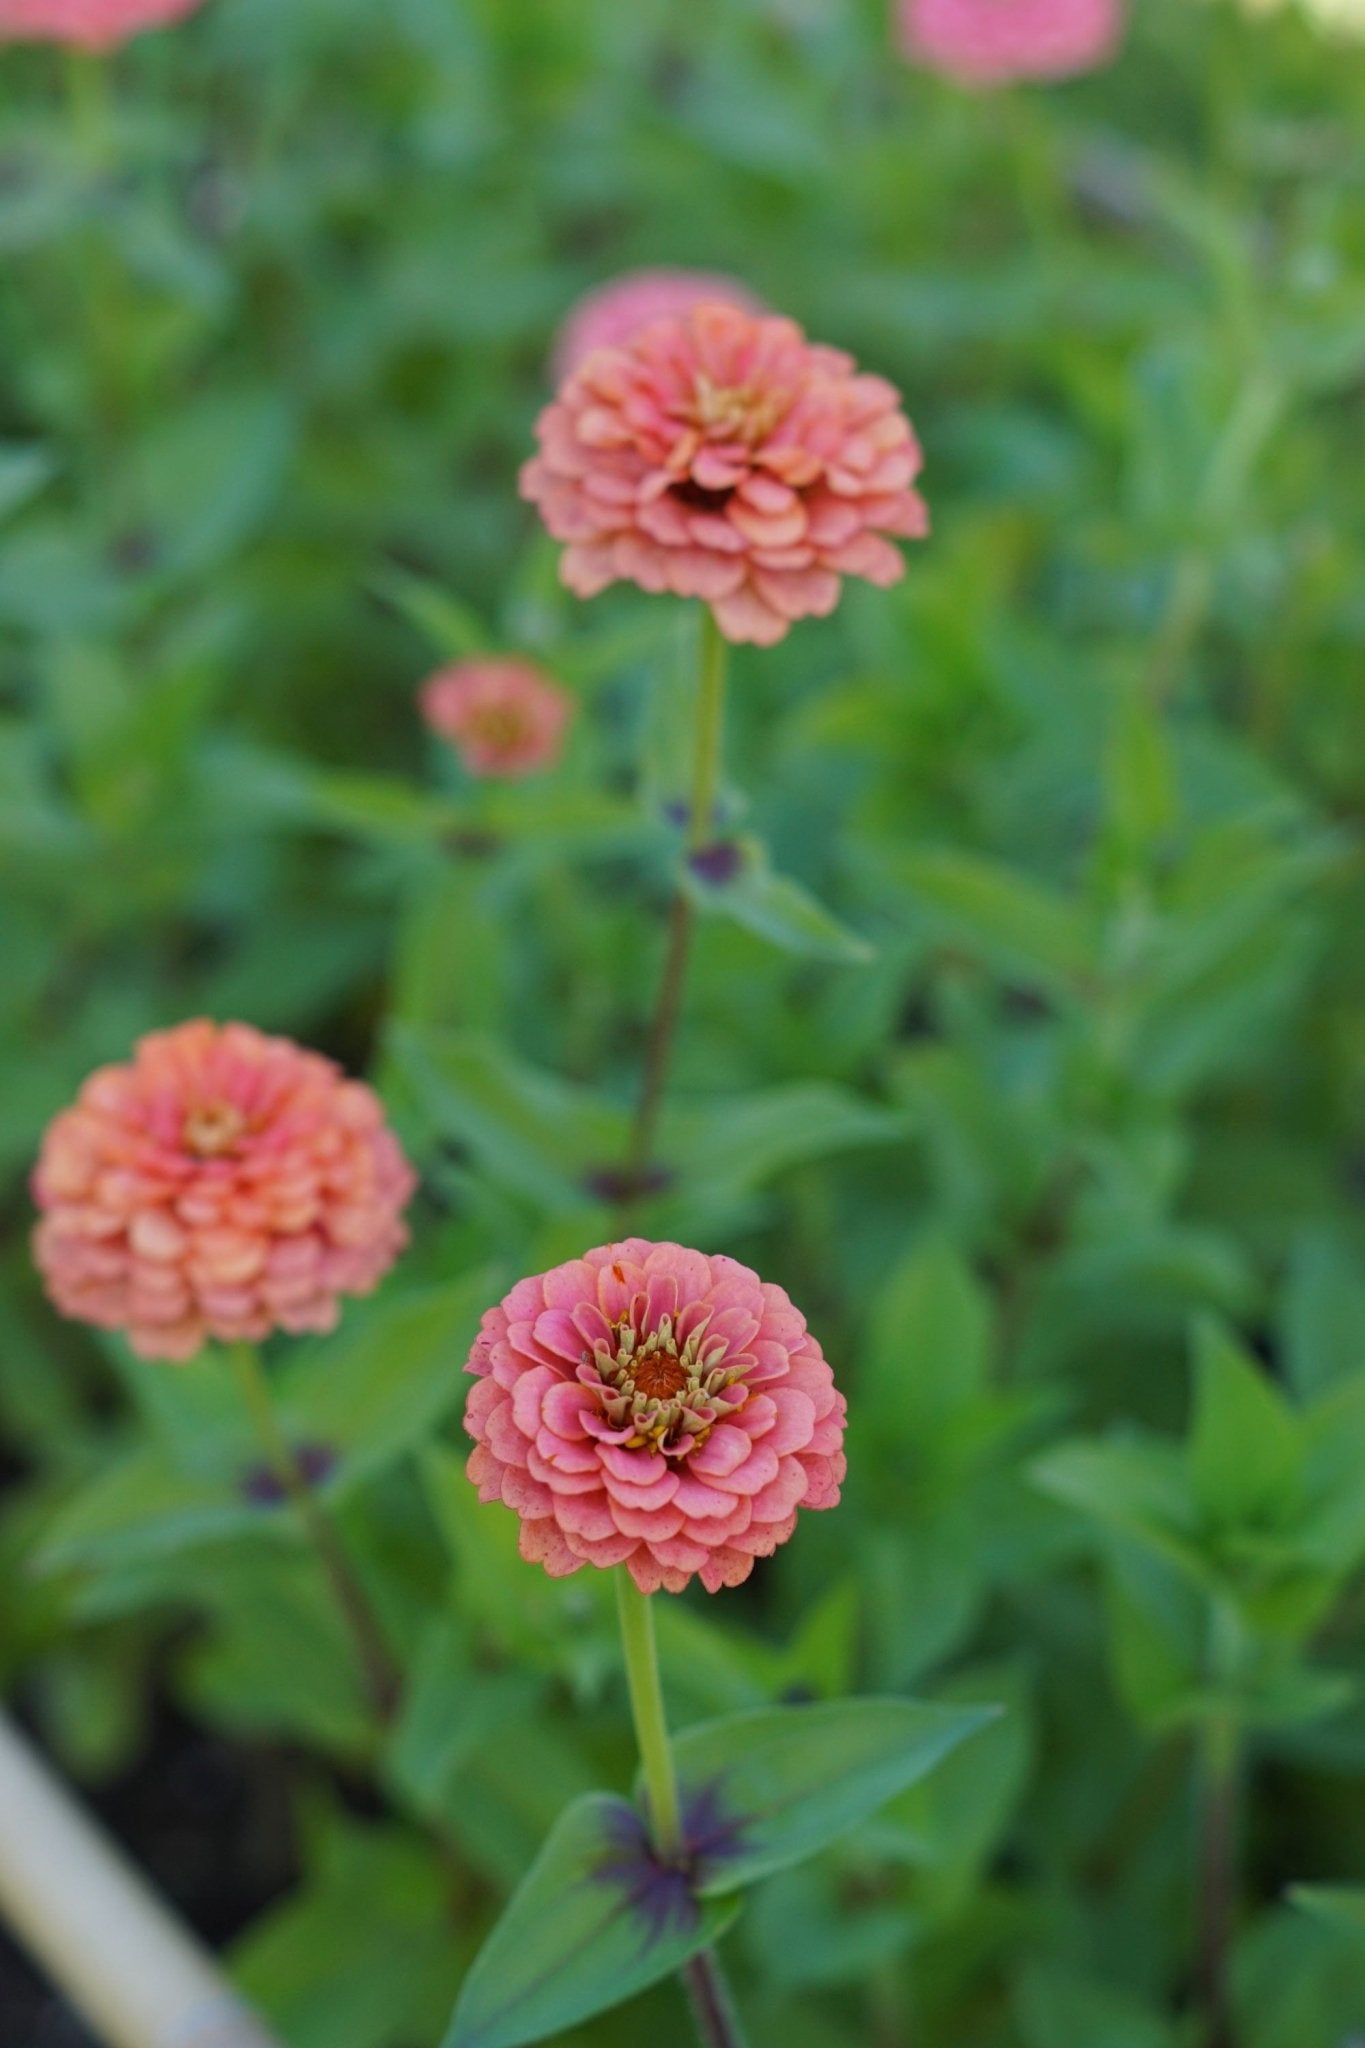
(671, 1393)
(660, 1377)
(212, 1129)
(736, 412)
(499, 725)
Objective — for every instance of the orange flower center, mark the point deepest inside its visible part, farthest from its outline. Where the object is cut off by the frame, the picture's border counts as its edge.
(669, 1396)
(213, 1128)
(660, 1376)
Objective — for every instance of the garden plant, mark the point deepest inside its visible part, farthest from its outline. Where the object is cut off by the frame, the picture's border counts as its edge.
(682, 1030)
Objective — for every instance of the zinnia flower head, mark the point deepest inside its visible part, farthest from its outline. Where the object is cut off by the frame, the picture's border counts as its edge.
(654, 1407)
(991, 42)
(613, 314)
(503, 716)
(222, 1184)
(88, 24)
(723, 456)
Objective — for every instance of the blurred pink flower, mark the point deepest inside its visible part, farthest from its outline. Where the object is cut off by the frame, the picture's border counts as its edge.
(222, 1184)
(611, 315)
(503, 716)
(723, 456)
(653, 1407)
(88, 24)
(991, 42)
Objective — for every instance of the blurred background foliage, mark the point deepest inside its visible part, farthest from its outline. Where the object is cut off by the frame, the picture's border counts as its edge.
(1028, 1051)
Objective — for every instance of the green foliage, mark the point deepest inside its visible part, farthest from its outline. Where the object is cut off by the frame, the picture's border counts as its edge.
(577, 1935)
(1022, 1044)
(776, 1786)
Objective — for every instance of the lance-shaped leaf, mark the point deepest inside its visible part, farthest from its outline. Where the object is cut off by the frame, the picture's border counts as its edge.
(596, 1919)
(766, 1789)
(1340, 1905)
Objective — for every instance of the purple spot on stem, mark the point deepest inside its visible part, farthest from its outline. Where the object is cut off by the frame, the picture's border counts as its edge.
(716, 865)
(618, 1185)
(264, 1489)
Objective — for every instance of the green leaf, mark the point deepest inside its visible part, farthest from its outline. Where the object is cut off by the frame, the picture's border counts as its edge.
(140, 1507)
(1246, 1444)
(1028, 929)
(383, 1382)
(746, 1140)
(451, 627)
(361, 1954)
(1339, 1905)
(207, 474)
(1323, 1314)
(1059, 2010)
(766, 1789)
(594, 1921)
(777, 908)
(24, 469)
(1140, 776)
(1138, 1486)
(928, 1345)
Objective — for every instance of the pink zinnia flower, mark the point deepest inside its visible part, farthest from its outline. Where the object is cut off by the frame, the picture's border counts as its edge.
(89, 24)
(613, 314)
(653, 1407)
(721, 455)
(503, 717)
(991, 42)
(222, 1184)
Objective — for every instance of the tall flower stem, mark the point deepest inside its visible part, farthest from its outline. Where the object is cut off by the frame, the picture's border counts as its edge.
(710, 727)
(1218, 1761)
(88, 112)
(380, 1674)
(708, 1993)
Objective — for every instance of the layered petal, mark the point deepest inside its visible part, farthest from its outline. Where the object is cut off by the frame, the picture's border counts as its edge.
(222, 1184)
(714, 452)
(660, 1407)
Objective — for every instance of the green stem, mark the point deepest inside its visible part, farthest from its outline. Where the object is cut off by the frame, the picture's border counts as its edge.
(710, 731)
(100, 287)
(379, 1672)
(708, 1993)
(713, 2007)
(1217, 1873)
(710, 727)
(647, 1709)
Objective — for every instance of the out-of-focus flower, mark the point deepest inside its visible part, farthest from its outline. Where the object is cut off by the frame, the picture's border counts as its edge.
(723, 456)
(991, 42)
(88, 24)
(222, 1184)
(610, 316)
(653, 1407)
(503, 716)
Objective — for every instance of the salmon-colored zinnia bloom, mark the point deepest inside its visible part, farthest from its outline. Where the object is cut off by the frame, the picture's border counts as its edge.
(721, 455)
(222, 1184)
(88, 24)
(992, 42)
(653, 1407)
(504, 717)
(613, 315)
